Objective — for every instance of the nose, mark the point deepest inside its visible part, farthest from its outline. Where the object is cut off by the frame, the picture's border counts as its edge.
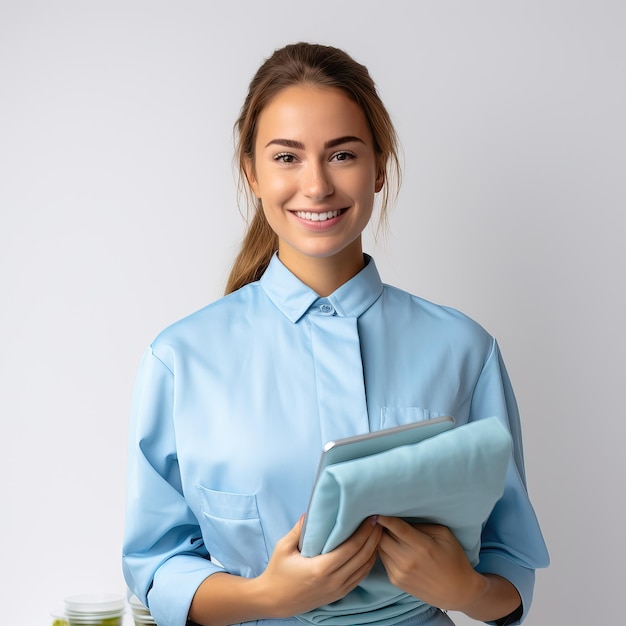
(316, 182)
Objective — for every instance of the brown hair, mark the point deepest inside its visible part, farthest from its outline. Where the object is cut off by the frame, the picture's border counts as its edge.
(304, 64)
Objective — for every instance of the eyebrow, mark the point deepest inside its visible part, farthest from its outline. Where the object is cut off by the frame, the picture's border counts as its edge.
(331, 143)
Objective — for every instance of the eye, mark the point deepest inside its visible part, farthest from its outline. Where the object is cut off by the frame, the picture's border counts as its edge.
(343, 155)
(285, 157)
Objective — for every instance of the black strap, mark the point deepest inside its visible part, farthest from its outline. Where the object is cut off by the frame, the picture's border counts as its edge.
(511, 617)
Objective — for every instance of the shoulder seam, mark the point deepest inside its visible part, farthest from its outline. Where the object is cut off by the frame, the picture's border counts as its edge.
(160, 360)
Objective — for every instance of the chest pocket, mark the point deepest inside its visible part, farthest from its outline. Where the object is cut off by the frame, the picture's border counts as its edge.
(232, 531)
(398, 416)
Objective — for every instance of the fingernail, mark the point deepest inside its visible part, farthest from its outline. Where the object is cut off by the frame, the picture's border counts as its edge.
(374, 520)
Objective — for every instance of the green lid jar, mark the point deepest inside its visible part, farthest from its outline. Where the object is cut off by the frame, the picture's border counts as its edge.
(106, 609)
(59, 619)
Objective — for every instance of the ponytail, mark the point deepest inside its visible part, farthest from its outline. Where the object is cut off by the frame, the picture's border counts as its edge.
(257, 249)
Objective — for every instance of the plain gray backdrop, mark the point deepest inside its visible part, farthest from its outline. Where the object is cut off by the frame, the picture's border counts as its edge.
(119, 215)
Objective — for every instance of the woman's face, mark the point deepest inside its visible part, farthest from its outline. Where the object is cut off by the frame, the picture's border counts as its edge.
(316, 173)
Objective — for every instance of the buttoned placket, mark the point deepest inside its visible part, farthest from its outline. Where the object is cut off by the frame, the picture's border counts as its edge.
(338, 372)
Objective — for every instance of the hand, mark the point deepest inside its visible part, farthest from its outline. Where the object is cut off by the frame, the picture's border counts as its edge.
(297, 584)
(426, 561)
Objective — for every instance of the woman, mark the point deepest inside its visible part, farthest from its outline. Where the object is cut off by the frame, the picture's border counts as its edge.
(233, 404)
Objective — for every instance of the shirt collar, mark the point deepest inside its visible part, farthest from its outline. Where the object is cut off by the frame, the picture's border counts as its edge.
(294, 298)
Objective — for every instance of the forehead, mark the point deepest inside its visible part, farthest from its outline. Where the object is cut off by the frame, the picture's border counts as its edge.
(304, 112)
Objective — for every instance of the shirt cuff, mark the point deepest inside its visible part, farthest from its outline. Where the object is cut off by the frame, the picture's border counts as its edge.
(522, 578)
(174, 585)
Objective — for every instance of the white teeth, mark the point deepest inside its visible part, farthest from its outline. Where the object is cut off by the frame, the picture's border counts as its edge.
(317, 217)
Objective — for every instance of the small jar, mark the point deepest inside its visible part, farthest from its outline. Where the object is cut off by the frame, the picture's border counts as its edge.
(141, 615)
(104, 609)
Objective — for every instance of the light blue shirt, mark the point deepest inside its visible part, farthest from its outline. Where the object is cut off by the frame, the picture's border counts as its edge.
(233, 404)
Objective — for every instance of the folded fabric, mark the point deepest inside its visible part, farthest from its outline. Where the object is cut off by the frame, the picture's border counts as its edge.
(454, 479)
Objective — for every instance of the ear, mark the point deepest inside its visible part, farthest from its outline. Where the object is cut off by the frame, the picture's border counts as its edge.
(251, 177)
(380, 180)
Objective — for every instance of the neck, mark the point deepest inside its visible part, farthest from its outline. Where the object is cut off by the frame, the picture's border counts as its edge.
(324, 274)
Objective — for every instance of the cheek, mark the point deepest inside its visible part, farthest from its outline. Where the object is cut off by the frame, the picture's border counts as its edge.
(364, 188)
(363, 181)
(274, 189)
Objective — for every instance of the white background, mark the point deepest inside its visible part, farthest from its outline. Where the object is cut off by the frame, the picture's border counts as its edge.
(119, 216)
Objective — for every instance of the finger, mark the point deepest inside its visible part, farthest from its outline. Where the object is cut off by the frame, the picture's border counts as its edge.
(364, 560)
(364, 556)
(405, 531)
(404, 539)
(358, 539)
(291, 539)
(393, 524)
(297, 527)
(396, 527)
(366, 538)
(335, 561)
(391, 549)
(371, 544)
(356, 577)
(433, 530)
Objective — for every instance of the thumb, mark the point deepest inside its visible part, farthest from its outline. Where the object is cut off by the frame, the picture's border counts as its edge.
(293, 536)
(297, 529)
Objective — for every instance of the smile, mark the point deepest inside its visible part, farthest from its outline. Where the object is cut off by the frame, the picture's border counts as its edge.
(322, 216)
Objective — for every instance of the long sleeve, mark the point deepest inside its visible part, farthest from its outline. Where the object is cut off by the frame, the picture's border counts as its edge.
(164, 558)
(512, 543)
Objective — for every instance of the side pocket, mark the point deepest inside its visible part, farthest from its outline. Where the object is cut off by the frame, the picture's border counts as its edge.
(233, 532)
(397, 416)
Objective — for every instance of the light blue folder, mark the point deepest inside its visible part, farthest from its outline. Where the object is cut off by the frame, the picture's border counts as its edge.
(454, 479)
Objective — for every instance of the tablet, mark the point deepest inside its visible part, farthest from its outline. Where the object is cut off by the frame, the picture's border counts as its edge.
(358, 446)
